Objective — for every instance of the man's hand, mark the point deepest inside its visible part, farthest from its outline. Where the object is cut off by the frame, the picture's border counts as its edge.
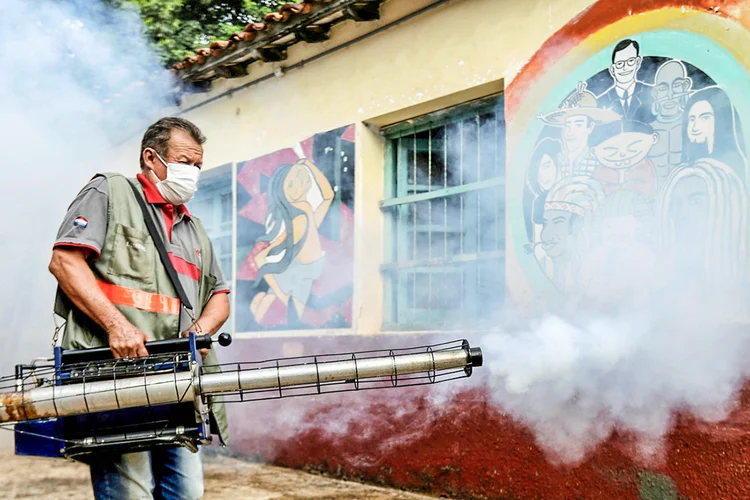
(186, 333)
(126, 341)
(77, 280)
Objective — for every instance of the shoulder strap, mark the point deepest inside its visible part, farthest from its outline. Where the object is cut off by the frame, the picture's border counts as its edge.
(162, 249)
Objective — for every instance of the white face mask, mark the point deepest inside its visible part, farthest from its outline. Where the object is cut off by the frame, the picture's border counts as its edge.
(181, 183)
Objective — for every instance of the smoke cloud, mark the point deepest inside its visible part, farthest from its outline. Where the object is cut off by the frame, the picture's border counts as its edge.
(78, 78)
(575, 383)
(647, 339)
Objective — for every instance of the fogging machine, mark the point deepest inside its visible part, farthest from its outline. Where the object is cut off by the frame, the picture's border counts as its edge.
(83, 402)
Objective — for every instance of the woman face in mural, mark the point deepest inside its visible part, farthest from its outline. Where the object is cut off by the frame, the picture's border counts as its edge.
(542, 172)
(547, 172)
(297, 183)
(701, 127)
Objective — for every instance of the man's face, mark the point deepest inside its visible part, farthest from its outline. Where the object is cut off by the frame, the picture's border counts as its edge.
(181, 149)
(688, 213)
(577, 131)
(624, 150)
(671, 89)
(626, 65)
(556, 236)
(701, 124)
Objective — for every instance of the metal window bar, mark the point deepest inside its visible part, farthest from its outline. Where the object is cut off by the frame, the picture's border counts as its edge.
(455, 163)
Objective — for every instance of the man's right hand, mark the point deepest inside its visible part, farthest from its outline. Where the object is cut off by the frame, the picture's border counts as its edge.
(127, 341)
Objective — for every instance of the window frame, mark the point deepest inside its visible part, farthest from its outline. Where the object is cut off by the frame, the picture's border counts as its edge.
(395, 177)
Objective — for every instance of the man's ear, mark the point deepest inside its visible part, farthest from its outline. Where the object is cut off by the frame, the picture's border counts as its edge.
(655, 137)
(612, 71)
(149, 158)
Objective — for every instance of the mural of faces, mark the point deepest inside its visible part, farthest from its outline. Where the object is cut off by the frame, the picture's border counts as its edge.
(652, 165)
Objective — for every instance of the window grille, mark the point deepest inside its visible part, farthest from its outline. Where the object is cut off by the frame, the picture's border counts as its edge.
(445, 218)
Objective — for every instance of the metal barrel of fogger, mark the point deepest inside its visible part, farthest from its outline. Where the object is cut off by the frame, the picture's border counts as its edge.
(158, 389)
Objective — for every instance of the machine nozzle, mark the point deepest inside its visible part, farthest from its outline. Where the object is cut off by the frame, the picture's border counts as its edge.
(475, 355)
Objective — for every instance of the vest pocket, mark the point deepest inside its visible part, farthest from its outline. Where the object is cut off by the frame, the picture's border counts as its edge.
(132, 255)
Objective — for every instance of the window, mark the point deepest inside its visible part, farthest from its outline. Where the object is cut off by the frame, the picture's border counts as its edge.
(445, 218)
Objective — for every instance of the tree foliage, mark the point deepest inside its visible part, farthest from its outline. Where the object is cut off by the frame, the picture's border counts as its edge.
(177, 28)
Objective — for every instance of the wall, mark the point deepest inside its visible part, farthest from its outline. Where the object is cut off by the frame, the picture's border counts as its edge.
(452, 440)
(434, 57)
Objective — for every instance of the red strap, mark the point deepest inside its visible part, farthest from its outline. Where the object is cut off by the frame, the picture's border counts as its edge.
(145, 301)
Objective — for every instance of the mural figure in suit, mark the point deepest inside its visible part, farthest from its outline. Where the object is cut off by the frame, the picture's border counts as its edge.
(628, 97)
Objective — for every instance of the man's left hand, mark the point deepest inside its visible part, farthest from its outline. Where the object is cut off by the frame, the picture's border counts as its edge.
(186, 333)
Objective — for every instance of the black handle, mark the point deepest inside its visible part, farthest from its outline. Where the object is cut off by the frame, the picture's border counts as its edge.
(167, 346)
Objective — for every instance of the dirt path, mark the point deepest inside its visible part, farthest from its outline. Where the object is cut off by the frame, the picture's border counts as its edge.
(53, 479)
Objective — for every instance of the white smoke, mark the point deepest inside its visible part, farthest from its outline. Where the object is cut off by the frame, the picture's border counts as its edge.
(77, 78)
(575, 384)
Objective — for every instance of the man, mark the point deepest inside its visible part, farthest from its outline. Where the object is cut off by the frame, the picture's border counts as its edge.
(670, 94)
(114, 289)
(568, 215)
(628, 97)
(577, 118)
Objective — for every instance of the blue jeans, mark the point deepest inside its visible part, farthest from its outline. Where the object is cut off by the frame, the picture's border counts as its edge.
(163, 473)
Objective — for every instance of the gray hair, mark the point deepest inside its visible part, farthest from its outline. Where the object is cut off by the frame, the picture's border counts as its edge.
(157, 135)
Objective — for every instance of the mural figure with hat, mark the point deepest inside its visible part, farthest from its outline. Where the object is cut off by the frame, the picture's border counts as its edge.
(670, 94)
(577, 118)
(568, 216)
(628, 96)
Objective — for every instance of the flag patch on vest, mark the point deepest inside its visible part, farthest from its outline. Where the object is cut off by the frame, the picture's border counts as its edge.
(81, 222)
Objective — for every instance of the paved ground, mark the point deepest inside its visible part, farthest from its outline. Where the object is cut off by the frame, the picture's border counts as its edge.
(48, 479)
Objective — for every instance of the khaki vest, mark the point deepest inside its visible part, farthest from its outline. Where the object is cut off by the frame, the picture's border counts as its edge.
(131, 274)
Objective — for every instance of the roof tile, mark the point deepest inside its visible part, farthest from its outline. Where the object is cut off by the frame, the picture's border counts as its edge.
(288, 12)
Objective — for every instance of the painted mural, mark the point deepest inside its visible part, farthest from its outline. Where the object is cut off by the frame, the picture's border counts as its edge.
(635, 177)
(295, 235)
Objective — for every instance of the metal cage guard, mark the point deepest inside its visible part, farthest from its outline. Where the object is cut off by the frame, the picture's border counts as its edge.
(98, 386)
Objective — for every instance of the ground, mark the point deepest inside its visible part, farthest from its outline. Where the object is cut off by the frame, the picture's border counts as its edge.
(48, 479)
